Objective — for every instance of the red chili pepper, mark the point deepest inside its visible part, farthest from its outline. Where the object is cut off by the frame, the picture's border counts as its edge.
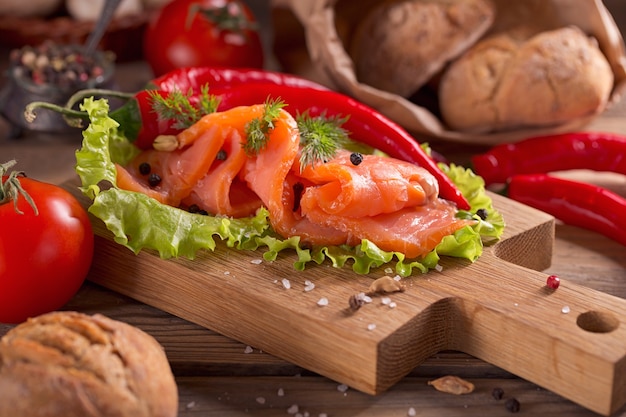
(193, 78)
(575, 203)
(580, 150)
(365, 124)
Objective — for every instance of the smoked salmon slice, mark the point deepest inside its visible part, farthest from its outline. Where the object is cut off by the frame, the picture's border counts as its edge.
(221, 191)
(376, 185)
(392, 203)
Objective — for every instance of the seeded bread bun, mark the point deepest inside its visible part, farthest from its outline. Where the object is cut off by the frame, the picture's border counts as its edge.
(400, 44)
(67, 364)
(509, 81)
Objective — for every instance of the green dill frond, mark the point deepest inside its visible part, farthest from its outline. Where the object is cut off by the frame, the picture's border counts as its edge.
(184, 109)
(320, 137)
(258, 130)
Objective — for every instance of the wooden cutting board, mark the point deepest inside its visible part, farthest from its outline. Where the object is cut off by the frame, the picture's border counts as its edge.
(571, 341)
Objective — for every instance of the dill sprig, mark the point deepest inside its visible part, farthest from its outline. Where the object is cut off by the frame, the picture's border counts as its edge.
(320, 137)
(258, 130)
(184, 109)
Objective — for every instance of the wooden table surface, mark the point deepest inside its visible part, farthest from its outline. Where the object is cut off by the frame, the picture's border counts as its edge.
(218, 376)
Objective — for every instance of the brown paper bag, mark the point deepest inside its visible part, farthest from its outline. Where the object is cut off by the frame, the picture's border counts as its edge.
(323, 33)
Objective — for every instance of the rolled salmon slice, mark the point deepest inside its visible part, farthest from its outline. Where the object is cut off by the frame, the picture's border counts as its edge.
(178, 170)
(221, 191)
(392, 203)
(270, 175)
(375, 185)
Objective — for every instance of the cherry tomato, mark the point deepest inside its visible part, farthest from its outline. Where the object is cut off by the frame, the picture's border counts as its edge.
(192, 33)
(44, 256)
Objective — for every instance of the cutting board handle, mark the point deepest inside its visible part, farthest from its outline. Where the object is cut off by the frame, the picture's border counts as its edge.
(571, 340)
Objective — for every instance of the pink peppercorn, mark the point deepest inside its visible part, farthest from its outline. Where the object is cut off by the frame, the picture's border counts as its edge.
(553, 282)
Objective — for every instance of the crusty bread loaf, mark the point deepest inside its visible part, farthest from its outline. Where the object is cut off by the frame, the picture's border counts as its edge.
(508, 81)
(401, 44)
(68, 364)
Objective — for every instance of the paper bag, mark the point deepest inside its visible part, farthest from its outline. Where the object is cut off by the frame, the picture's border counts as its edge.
(331, 61)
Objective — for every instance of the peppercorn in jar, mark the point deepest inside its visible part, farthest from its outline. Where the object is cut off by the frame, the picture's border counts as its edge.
(51, 72)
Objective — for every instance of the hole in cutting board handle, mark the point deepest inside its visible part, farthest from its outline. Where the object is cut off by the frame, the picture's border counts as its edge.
(597, 322)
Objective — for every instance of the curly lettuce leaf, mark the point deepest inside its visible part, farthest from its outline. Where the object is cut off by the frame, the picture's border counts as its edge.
(139, 222)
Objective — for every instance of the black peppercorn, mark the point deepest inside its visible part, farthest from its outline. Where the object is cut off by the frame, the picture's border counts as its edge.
(221, 155)
(497, 393)
(356, 158)
(154, 180)
(195, 209)
(144, 168)
(512, 405)
(482, 213)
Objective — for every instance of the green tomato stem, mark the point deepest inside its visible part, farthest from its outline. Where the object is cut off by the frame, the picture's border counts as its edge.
(11, 189)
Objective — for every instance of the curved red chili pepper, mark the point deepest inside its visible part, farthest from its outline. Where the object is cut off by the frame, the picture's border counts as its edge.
(365, 124)
(580, 150)
(575, 203)
(193, 78)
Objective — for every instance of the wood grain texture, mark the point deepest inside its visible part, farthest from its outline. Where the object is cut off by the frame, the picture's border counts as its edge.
(496, 309)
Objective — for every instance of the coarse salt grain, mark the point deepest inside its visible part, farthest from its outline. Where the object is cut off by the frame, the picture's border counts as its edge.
(248, 349)
(281, 392)
(322, 301)
(397, 278)
(286, 283)
(256, 261)
(371, 326)
(411, 412)
(260, 400)
(385, 300)
(293, 409)
(191, 404)
(308, 286)
(392, 304)
(438, 268)
(565, 310)
(322, 415)
(226, 272)
(342, 388)
(365, 298)
(388, 270)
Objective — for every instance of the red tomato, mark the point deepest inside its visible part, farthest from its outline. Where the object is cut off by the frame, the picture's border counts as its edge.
(192, 33)
(44, 257)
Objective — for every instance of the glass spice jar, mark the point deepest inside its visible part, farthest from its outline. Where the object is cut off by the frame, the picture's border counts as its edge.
(52, 73)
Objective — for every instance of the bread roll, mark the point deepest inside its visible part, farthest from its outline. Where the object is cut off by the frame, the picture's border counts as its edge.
(401, 44)
(67, 364)
(508, 82)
